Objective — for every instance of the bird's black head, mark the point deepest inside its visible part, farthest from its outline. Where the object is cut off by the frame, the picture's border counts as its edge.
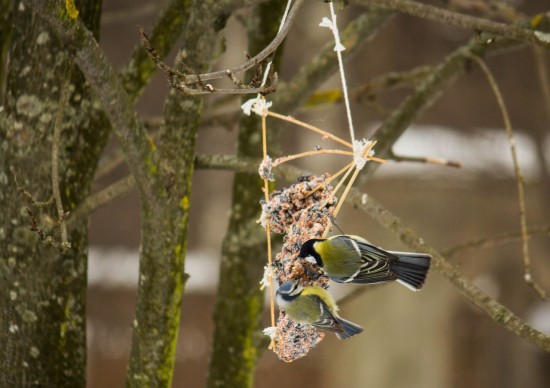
(308, 251)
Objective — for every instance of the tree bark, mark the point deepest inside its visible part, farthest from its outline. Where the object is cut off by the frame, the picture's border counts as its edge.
(43, 285)
(165, 215)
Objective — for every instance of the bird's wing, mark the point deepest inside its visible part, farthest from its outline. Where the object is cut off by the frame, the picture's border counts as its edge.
(328, 320)
(375, 266)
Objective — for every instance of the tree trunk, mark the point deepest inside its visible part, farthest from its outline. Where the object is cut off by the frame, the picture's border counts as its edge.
(164, 229)
(43, 285)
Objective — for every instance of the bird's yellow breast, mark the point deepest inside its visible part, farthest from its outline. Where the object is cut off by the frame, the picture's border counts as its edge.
(323, 294)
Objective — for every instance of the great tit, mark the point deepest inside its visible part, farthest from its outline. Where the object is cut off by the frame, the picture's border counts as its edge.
(315, 306)
(352, 259)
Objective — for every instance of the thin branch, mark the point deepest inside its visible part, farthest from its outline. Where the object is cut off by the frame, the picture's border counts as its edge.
(231, 163)
(425, 159)
(107, 195)
(177, 78)
(166, 30)
(106, 167)
(56, 141)
(447, 17)
(124, 185)
(499, 239)
(209, 89)
(349, 168)
(106, 83)
(390, 81)
(256, 60)
(492, 9)
(29, 196)
(541, 64)
(542, 73)
(344, 195)
(519, 178)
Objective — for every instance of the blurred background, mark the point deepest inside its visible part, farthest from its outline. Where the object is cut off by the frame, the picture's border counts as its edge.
(434, 338)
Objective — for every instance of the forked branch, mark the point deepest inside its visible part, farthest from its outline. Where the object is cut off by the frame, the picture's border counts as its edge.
(193, 83)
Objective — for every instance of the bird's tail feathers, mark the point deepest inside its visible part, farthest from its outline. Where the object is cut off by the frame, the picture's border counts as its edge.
(411, 269)
(350, 329)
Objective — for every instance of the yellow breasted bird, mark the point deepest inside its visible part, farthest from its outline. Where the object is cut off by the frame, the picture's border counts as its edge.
(315, 306)
(352, 259)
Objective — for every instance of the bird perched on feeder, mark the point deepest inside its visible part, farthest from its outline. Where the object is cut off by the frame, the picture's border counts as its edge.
(315, 306)
(352, 259)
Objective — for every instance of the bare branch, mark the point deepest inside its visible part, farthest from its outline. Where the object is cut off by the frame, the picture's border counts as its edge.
(184, 81)
(29, 196)
(390, 81)
(425, 159)
(366, 92)
(499, 239)
(177, 79)
(103, 197)
(256, 60)
(164, 34)
(441, 15)
(519, 178)
(106, 83)
(542, 72)
(56, 141)
(492, 9)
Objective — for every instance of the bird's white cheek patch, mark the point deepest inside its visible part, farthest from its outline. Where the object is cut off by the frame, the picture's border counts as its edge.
(311, 260)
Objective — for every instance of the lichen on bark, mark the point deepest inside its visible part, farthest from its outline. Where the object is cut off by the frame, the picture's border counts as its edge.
(43, 289)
